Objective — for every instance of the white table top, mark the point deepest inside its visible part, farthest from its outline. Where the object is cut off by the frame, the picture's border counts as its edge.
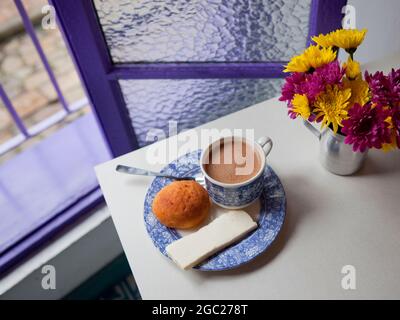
(331, 221)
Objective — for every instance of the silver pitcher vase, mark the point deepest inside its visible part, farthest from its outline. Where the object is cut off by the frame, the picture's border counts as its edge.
(334, 155)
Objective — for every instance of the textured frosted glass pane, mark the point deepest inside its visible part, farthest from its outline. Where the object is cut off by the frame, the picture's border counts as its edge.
(204, 30)
(151, 103)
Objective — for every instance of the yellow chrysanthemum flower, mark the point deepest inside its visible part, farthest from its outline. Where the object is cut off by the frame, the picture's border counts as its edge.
(386, 147)
(311, 58)
(331, 106)
(393, 144)
(301, 106)
(348, 39)
(389, 120)
(359, 91)
(324, 40)
(353, 70)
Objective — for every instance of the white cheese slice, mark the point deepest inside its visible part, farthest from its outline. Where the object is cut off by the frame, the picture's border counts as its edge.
(220, 233)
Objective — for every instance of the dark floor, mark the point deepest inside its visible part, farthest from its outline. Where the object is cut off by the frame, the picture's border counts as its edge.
(114, 282)
(125, 289)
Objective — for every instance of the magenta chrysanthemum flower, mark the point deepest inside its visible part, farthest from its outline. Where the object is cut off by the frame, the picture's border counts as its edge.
(329, 74)
(385, 89)
(316, 82)
(395, 114)
(293, 84)
(312, 84)
(291, 113)
(366, 127)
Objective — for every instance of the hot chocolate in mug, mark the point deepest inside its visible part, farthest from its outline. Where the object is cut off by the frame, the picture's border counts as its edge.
(239, 190)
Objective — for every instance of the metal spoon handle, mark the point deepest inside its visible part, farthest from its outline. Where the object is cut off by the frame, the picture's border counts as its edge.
(142, 172)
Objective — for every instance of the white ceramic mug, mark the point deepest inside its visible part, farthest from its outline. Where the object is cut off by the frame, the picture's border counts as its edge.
(237, 195)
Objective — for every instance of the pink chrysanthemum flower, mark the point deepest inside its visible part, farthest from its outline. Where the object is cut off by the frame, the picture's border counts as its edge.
(294, 84)
(395, 117)
(316, 82)
(366, 127)
(312, 84)
(385, 89)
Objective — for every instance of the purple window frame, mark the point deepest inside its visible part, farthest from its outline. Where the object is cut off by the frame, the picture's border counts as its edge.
(81, 28)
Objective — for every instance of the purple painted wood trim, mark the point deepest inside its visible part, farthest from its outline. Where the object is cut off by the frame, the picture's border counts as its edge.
(12, 143)
(197, 70)
(78, 20)
(41, 126)
(17, 119)
(325, 16)
(31, 31)
(74, 106)
(68, 217)
(83, 138)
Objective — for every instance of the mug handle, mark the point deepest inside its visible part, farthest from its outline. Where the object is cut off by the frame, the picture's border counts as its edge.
(266, 144)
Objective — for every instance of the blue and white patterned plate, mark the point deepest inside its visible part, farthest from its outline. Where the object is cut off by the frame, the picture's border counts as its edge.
(271, 217)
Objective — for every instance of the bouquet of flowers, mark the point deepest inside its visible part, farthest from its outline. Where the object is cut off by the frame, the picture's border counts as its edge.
(320, 89)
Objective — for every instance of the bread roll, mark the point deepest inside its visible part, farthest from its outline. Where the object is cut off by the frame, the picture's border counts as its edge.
(181, 204)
